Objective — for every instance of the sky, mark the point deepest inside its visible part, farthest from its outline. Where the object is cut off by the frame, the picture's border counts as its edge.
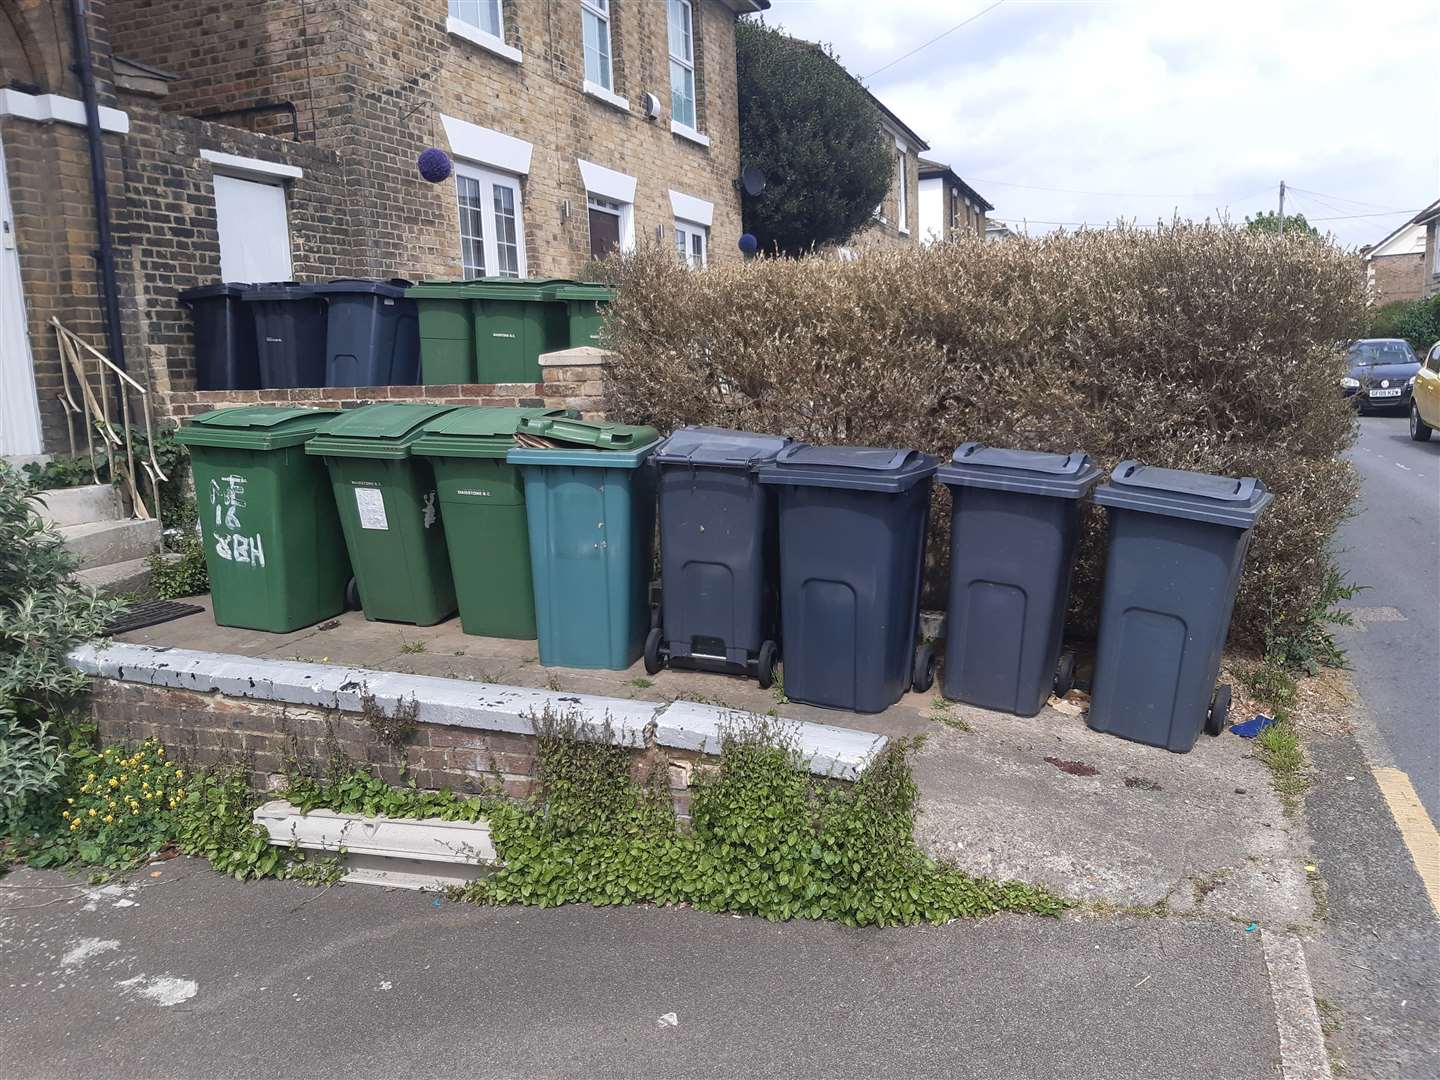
(1140, 110)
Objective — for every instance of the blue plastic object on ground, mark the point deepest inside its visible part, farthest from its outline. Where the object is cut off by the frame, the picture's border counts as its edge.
(1250, 728)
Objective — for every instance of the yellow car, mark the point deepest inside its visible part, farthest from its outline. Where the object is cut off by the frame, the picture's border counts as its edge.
(1425, 397)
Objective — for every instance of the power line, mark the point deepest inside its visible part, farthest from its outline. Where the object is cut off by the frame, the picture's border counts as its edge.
(1123, 194)
(1341, 198)
(937, 37)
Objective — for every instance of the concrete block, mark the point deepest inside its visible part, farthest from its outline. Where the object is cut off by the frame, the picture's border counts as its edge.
(79, 505)
(101, 543)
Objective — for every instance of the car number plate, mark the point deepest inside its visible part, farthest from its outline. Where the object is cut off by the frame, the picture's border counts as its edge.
(1395, 392)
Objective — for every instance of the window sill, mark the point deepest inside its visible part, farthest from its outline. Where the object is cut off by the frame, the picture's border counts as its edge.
(489, 42)
(688, 133)
(615, 101)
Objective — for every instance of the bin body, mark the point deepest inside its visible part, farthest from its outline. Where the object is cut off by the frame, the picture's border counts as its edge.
(1177, 546)
(482, 507)
(584, 311)
(372, 336)
(225, 356)
(719, 552)
(852, 542)
(591, 517)
(388, 510)
(273, 545)
(1015, 519)
(289, 334)
(487, 330)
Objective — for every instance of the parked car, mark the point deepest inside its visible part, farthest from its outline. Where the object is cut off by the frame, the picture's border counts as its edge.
(1425, 398)
(1382, 371)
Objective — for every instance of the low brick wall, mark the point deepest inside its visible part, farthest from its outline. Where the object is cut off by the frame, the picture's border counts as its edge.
(182, 405)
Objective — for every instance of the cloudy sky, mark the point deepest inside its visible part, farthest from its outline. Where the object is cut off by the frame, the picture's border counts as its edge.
(1063, 111)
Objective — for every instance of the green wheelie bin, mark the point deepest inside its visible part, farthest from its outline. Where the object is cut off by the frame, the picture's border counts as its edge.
(273, 545)
(487, 330)
(482, 506)
(584, 310)
(388, 510)
(590, 505)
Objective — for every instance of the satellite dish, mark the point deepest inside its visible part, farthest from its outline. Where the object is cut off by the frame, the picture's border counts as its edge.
(752, 179)
(651, 105)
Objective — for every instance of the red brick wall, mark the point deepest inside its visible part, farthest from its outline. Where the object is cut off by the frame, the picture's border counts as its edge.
(1397, 277)
(186, 404)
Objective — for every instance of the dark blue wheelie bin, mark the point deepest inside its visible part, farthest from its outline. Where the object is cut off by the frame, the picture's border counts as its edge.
(1015, 517)
(289, 333)
(1177, 547)
(373, 334)
(718, 554)
(852, 544)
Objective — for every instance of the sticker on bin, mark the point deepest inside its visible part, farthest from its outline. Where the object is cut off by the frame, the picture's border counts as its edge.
(370, 503)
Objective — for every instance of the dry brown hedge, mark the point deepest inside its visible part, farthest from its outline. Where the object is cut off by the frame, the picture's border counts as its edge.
(1195, 347)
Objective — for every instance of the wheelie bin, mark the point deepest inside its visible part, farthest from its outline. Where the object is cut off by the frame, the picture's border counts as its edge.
(852, 544)
(224, 337)
(372, 337)
(1177, 547)
(719, 554)
(591, 514)
(584, 310)
(482, 506)
(487, 330)
(289, 333)
(1014, 520)
(273, 544)
(386, 499)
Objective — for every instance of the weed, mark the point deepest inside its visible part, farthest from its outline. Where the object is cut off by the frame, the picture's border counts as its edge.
(411, 646)
(1279, 746)
(778, 688)
(940, 707)
(642, 683)
(393, 729)
(1330, 1021)
(552, 683)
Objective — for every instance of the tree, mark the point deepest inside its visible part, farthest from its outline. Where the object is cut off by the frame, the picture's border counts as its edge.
(1269, 222)
(815, 132)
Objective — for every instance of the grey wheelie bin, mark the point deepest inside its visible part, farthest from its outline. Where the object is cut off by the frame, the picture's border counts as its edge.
(224, 337)
(718, 554)
(372, 335)
(852, 543)
(1177, 546)
(1015, 517)
(289, 333)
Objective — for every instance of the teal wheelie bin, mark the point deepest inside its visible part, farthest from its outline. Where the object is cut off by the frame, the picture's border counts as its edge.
(590, 505)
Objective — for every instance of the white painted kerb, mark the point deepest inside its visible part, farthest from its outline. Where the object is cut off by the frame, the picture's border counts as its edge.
(679, 725)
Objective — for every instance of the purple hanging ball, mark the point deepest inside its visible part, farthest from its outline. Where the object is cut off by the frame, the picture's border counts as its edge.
(748, 244)
(434, 165)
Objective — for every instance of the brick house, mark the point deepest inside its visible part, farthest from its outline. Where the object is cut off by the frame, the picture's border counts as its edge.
(1429, 218)
(948, 206)
(897, 218)
(279, 140)
(1395, 267)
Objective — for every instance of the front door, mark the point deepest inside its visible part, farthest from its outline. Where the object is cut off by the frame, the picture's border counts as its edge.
(19, 409)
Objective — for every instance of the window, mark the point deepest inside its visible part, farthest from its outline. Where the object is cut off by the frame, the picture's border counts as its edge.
(254, 232)
(691, 243)
(492, 232)
(682, 65)
(483, 15)
(1433, 363)
(902, 201)
(605, 221)
(595, 27)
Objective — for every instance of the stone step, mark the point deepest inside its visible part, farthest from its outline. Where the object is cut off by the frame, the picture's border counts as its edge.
(130, 576)
(100, 543)
(80, 505)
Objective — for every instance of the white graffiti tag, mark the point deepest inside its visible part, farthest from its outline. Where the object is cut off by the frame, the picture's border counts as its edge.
(241, 549)
(227, 496)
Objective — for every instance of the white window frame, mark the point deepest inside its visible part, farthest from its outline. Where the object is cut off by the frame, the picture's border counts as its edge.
(686, 234)
(599, 10)
(902, 201)
(476, 34)
(490, 248)
(686, 62)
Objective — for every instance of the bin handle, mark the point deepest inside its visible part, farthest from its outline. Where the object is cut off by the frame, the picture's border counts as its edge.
(898, 458)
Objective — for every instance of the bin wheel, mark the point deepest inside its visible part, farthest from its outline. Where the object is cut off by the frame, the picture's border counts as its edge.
(1219, 707)
(923, 676)
(653, 660)
(352, 595)
(765, 665)
(1065, 674)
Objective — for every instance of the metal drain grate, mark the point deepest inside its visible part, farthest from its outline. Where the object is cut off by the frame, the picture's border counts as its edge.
(145, 613)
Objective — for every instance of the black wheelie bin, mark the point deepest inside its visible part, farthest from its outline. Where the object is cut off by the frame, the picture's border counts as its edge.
(1177, 547)
(289, 333)
(372, 334)
(224, 337)
(719, 556)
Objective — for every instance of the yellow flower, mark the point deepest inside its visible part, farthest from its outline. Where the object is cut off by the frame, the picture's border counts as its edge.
(180, 794)
(179, 774)
(70, 801)
(65, 813)
(124, 777)
(159, 792)
(134, 813)
(74, 824)
(112, 803)
(108, 818)
(93, 811)
(145, 767)
(160, 752)
(114, 782)
(91, 778)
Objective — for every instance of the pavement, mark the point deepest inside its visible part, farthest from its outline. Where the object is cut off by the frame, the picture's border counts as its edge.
(180, 972)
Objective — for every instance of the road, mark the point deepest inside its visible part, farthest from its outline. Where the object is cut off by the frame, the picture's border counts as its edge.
(1392, 546)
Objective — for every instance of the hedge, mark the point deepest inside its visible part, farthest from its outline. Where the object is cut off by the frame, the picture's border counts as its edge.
(1190, 346)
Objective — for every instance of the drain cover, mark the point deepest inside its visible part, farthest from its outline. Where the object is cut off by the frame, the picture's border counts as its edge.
(150, 613)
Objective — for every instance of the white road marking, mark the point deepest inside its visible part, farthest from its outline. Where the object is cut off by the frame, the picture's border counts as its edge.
(1297, 1021)
(84, 949)
(164, 990)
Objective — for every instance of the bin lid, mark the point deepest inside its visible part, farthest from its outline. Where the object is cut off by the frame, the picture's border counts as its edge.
(580, 455)
(254, 427)
(394, 288)
(280, 290)
(585, 434)
(477, 431)
(484, 289)
(1216, 500)
(583, 290)
(214, 289)
(385, 431)
(859, 468)
(719, 448)
(1025, 472)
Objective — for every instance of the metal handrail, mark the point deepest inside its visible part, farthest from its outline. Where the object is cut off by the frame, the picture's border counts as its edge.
(94, 409)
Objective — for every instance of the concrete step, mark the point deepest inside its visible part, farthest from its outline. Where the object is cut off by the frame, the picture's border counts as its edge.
(80, 505)
(130, 576)
(100, 543)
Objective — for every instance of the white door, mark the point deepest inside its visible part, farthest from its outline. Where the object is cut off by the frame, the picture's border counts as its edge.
(19, 408)
(254, 232)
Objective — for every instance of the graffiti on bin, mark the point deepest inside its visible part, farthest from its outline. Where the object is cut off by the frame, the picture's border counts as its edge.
(429, 510)
(232, 543)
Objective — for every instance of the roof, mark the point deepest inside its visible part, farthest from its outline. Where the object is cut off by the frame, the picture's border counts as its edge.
(1397, 241)
(1429, 214)
(930, 169)
(747, 7)
(895, 121)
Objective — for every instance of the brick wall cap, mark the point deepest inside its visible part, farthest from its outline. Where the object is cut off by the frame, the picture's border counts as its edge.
(580, 356)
